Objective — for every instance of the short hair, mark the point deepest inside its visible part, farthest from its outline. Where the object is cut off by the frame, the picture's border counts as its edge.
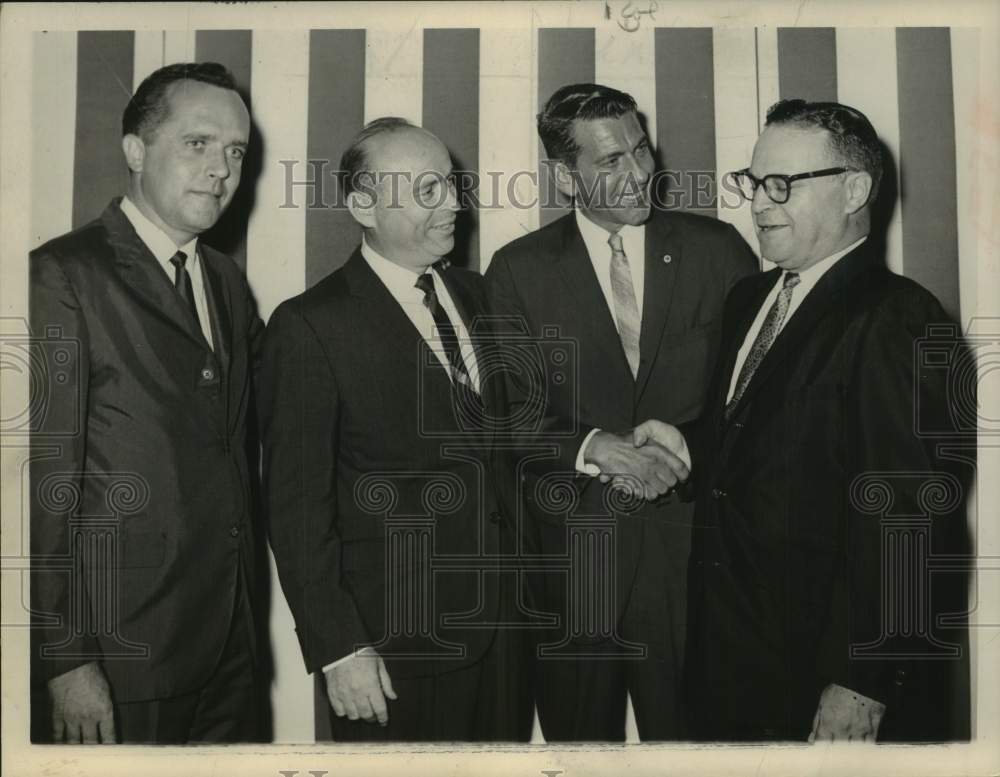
(356, 163)
(851, 136)
(578, 102)
(149, 106)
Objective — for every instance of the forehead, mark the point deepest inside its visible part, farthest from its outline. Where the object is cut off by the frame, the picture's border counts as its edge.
(409, 151)
(790, 150)
(603, 135)
(197, 102)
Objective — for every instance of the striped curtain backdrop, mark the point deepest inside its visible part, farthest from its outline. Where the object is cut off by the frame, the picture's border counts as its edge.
(703, 93)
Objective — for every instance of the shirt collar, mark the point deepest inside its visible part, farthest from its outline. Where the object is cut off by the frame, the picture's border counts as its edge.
(398, 279)
(155, 239)
(596, 237)
(810, 275)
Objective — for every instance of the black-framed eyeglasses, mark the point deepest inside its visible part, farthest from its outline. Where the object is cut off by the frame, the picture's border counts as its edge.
(776, 186)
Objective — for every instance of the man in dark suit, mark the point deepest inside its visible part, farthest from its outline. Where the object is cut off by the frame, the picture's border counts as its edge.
(390, 509)
(140, 512)
(820, 501)
(639, 292)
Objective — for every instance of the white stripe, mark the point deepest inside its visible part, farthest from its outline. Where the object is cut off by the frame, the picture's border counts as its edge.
(53, 117)
(866, 80)
(767, 88)
(148, 55)
(178, 46)
(394, 64)
(972, 177)
(276, 269)
(735, 120)
(508, 142)
(627, 61)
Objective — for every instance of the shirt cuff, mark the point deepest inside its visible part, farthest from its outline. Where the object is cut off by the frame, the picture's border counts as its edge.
(864, 701)
(365, 651)
(581, 465)
(684, 454)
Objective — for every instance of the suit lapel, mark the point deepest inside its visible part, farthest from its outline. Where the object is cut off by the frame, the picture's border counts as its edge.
(586, 300)
(139, 270)
(389, 320)
(824, 297)
(663, 257)
(219, 308)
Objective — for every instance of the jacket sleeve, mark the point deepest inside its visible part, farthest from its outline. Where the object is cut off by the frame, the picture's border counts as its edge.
(59, 347)
(890, 457)
(298, 412)
(532, 420)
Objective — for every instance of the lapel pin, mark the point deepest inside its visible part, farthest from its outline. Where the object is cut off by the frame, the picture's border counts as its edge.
(667, 258)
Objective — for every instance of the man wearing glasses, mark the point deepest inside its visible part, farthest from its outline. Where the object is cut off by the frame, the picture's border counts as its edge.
(798, 576)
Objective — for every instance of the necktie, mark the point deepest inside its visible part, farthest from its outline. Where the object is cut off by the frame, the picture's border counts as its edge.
(626, 307)
(182, 282)
(765, 338)
(459, 372)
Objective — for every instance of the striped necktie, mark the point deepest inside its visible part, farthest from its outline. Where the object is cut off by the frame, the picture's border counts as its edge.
(446, 331)
(182, 282)
(765, 338)
(626, 307)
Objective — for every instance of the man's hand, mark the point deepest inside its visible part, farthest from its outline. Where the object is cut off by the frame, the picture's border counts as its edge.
(656, 469)
(843, 715)
(358, 687)
(81, 706)
(668, 436)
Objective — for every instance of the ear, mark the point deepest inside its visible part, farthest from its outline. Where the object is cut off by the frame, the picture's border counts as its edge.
(565, 182)
(859, 189)
(135, 152)
(361, 204)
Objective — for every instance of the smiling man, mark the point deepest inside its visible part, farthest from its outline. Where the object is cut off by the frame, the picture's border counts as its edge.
(640, 292)
(372, 408)
(802, 590)
(150, 638)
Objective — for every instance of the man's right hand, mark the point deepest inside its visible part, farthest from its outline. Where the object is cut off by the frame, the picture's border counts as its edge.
(81, 706)
(358, 687)
(656, 469)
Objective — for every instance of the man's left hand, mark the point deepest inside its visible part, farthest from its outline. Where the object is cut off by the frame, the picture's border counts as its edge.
(844, 715)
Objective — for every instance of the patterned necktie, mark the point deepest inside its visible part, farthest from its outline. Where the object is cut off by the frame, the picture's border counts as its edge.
(182, 282)
(459, 372)
(626, 307)
(765, 338)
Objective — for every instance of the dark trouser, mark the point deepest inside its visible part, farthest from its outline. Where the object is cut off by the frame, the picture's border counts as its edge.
(584, 698)
(224, 710)
(489, 700)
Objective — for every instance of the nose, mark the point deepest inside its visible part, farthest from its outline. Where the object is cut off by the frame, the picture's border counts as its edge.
(218, 164)
(641, 171)
(760, 202)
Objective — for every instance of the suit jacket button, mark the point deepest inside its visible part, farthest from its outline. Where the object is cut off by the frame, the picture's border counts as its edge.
(718, 493)
(234, 531)
(207, 373)
(496, 517)
(900, 676)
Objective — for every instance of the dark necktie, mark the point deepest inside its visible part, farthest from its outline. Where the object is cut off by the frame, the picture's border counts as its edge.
(765, 338)
(459, 372)
(182, 282)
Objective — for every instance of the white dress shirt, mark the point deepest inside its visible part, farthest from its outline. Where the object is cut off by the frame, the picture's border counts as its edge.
(163, 247)
(595, 238)
(400, 281)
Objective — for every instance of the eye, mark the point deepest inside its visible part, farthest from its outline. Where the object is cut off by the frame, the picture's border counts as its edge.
(238, 153)
(642, 150)
(196, 143)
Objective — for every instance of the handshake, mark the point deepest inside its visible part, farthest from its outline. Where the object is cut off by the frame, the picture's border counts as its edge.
(647, 462)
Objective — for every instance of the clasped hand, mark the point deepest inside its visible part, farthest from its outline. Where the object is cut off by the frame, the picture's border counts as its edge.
(648, 462)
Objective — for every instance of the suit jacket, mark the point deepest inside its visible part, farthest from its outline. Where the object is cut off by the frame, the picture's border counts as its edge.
(787, 558)
(140, 510)
(545, 282)
(385, 505)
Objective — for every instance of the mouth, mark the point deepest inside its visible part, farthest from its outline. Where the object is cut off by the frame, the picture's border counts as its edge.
(447, 228)
(767, 228)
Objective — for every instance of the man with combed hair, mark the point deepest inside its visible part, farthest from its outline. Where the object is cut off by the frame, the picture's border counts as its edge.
(150, 638)
(380, 468)
(802, 585)
(639, 291)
